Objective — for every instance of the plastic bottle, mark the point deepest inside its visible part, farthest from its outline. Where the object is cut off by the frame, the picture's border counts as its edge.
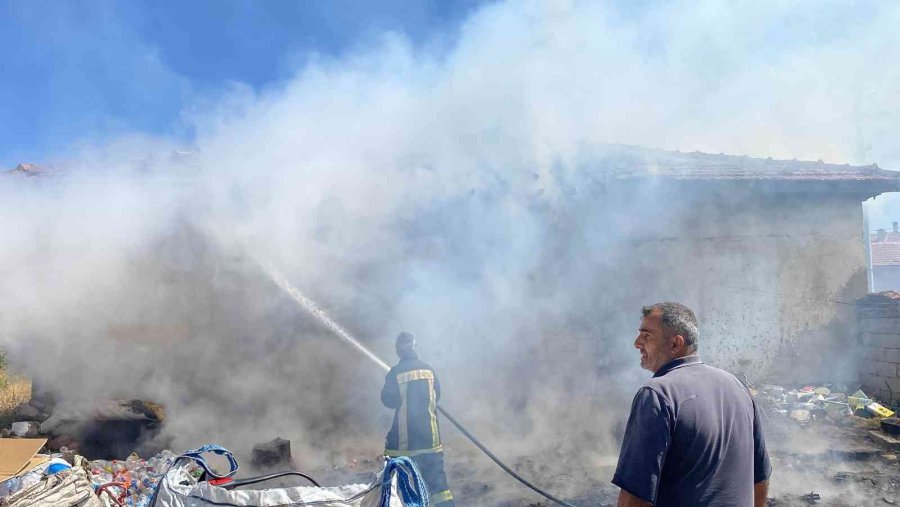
(101, 464)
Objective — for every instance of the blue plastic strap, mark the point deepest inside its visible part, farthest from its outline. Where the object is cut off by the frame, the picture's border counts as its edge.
(413, 490)
(197, 455)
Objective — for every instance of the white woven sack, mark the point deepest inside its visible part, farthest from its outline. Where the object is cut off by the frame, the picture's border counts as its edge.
(180, 489)
(69, 488)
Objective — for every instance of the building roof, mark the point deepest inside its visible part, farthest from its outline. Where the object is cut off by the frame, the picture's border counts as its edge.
(631, 161)
(889, 236)
(761, 175)
(635, 162)
(29, 170)
(886, 254)
(885, 248)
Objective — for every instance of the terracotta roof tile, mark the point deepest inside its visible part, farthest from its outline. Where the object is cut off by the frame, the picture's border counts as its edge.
(886, 253)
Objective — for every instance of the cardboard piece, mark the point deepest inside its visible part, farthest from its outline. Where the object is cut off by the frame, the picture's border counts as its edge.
(17, 455)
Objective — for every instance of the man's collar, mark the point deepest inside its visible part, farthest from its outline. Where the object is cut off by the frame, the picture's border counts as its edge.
(678, 363)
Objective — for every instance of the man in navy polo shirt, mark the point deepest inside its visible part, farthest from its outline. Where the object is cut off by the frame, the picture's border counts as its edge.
(694, 436)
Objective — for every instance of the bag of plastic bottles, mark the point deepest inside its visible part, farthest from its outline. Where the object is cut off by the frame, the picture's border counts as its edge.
(132, 482)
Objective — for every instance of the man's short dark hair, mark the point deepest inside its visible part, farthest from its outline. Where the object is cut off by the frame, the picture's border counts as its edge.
(406, 340)
(677, 319)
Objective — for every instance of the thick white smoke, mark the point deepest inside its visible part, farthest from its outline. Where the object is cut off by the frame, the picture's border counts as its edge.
(446, 193)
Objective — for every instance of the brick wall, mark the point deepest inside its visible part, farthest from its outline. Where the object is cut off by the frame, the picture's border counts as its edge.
(879, 334)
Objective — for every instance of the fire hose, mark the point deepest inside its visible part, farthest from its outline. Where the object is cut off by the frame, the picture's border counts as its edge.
(499, 463)
(313, 309)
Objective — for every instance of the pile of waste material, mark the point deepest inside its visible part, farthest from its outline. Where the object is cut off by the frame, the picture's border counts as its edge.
(132, 482)
(812, 403)
(830, 445)
(66, 479)
(107, 429)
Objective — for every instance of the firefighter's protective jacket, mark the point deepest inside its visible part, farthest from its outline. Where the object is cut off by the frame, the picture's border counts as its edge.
(412, 389)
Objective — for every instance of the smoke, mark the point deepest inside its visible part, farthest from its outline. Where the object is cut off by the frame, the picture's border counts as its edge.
(452, 193)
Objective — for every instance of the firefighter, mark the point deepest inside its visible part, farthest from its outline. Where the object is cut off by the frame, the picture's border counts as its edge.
(412, 389)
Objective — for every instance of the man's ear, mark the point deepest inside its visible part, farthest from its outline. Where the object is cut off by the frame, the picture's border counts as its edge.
(677, 343)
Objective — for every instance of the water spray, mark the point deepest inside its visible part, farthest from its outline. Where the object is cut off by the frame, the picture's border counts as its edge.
(313, 309)
(310, 306)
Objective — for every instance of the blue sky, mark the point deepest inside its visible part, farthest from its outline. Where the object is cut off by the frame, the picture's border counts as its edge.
(95, 69)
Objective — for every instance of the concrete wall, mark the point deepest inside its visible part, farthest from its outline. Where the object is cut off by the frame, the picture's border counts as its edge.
(772, 278)
(886, 278)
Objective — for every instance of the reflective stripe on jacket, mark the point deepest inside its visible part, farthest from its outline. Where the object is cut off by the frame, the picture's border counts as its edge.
(412, 389)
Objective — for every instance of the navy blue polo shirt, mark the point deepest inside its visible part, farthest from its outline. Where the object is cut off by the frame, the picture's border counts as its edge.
(694, 437)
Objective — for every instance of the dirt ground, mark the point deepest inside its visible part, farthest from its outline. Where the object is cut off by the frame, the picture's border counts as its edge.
(817, 464)
(828, 463)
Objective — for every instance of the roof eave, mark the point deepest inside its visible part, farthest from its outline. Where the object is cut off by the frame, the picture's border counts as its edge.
(862, 188)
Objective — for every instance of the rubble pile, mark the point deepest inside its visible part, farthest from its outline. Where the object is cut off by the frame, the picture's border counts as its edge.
(830, 444)
(829, 447)
(813, 403)
(113, 428)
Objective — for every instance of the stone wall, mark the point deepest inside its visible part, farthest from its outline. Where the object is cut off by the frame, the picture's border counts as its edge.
(773, 280)
(879, 336)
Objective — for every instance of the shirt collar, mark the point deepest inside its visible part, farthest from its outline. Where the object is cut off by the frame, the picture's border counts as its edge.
(678, 363)
(412, 356)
